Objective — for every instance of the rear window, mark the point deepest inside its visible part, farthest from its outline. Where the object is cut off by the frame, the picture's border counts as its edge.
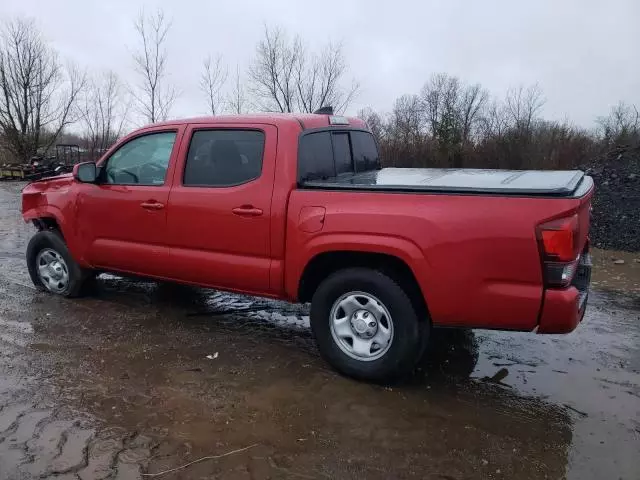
(316, 157)
(328, 154)
(365, 152)
(342, 153)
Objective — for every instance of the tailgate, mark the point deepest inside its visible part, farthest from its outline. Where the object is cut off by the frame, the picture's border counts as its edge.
(585, 195)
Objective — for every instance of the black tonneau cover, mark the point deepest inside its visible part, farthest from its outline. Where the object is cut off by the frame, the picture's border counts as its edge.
(458, 180)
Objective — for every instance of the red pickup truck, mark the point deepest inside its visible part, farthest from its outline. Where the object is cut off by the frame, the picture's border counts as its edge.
(297, 207)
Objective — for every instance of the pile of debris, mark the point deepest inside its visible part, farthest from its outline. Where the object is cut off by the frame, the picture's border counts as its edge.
(616, 206)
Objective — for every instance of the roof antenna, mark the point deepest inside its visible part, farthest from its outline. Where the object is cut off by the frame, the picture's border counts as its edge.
(327, 110)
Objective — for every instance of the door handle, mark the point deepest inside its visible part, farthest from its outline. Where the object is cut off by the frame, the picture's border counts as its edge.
(152, 205)
(247, 211)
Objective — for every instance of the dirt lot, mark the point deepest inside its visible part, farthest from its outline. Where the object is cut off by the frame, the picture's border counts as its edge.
(119, 385)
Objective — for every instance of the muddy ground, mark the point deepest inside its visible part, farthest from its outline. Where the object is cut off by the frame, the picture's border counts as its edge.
(142, 378)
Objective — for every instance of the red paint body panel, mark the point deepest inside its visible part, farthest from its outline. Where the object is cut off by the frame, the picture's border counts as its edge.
(209, 243)
(476, 258)
(560, 312)
(54, 199)
(481, 248)
(116, 232)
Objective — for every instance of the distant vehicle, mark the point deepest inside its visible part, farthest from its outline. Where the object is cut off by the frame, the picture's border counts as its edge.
(296, 207)
(39, 166)
(67, 155)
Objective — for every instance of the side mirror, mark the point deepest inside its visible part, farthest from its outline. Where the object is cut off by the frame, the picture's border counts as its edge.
(86, 172)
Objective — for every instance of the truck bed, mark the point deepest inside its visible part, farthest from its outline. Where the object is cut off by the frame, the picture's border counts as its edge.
(562, 183)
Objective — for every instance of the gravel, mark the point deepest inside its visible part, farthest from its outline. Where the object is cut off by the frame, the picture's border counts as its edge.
(616, 205)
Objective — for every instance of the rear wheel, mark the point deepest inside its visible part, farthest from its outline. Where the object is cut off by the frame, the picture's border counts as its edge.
(366, 326)
(51, 266)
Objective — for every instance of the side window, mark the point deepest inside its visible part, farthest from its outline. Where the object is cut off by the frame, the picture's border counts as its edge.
(142, 161)
(223, 158)
(316, 157)
(365, 151)
(342, 153)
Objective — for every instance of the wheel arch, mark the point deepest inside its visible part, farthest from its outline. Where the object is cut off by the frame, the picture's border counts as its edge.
(46, 219)
(48, 223)
(51, 218)
(323, 264)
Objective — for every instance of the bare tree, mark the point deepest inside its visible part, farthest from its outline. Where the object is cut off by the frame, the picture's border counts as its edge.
(37, 95)
(404, 138)
(103, 108)
(452, 109)
(471, 104)
(272, 73)
(374, 121)
(441, 104)
(155, 98)
(406, 118)
(493, 122)
(214, 76)
(621, 126)
(434, 102)
(237, 99)
(318, 81)
(522, 105)
(285, 77)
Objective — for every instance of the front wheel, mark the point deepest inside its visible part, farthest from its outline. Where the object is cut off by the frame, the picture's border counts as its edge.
(365, 325)
(51, 266)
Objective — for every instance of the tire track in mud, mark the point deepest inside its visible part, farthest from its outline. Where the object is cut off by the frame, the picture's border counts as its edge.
(42, 438)
(42, 443)
(48, 443)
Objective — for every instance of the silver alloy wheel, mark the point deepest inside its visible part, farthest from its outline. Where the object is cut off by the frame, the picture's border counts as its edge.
(52, 270)
(361, 326)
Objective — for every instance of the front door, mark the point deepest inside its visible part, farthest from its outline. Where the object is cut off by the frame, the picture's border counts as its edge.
(123, 217)
(220, 206)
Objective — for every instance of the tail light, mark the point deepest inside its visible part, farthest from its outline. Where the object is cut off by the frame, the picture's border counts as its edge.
(560, 239)
(559, 247)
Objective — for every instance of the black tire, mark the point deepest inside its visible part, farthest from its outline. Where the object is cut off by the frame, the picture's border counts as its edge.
(50, 239)
(409, 331)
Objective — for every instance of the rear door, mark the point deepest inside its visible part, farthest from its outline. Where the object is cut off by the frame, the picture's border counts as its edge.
(220, 206)
(122, 218)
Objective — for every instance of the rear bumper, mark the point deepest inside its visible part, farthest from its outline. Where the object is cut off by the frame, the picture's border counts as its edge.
(564, 309)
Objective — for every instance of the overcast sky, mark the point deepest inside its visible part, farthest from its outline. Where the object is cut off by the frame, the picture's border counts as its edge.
(584, 54)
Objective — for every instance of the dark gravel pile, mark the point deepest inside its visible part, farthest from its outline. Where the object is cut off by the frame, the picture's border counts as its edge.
(616, 206)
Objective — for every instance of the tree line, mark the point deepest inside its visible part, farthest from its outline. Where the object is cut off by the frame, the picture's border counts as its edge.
(454, 124)
(449, 123)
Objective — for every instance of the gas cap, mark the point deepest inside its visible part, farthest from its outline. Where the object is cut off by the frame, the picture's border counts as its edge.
(311, 219)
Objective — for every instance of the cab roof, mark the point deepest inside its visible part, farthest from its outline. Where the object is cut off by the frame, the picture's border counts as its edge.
(304, 120)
